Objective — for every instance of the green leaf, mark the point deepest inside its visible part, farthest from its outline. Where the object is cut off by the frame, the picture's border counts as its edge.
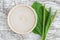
(50, 20)
(47, 24)
(39, 10)
(44, 21)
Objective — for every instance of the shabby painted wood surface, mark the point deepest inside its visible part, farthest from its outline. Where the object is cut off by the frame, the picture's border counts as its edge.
(7, 34)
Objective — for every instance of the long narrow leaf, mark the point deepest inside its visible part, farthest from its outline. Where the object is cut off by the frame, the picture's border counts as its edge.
(48, 20)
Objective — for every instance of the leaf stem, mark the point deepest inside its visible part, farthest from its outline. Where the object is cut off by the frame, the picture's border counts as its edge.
(43, 36)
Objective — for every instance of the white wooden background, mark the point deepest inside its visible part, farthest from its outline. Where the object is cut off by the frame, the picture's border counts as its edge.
(7, 34)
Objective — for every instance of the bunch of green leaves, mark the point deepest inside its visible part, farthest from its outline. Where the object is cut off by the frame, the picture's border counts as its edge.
(44, 19)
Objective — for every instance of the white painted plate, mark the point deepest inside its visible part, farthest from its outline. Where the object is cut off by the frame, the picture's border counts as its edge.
(22, 19)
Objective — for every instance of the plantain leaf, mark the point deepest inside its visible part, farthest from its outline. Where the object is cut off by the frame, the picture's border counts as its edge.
(50, 20)
(47, 24)
(39, 10)
(44, 21)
